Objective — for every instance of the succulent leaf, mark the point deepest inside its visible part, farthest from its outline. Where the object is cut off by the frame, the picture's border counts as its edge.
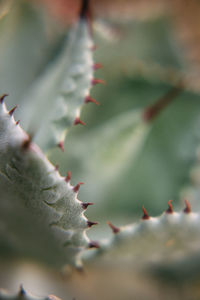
(61, 91)
(38, 206)
(154, 239)
(24, 42)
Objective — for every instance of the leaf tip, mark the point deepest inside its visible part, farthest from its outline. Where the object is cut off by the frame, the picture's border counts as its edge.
(85, 9)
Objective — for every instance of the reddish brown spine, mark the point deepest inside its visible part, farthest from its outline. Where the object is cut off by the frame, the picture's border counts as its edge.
(187, 208)
(145, 216)
(78, 121)
(3, 97)
(170, 208)
(115, 229)
(77, 187)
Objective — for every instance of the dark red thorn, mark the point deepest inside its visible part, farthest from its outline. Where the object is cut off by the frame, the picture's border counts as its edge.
(68, 177)
(77, 187)
(115, 229)
(93, 244)
(11, 112)
(17, 123)
(90, 99)
(97, 66)
(170, 209)
(145, 216)
(78, 121)
(97, 80)
(90, 224)
(61, 146)
(26, 143)
(21, 291)
(56, 167)
(187, 209)
(3, 97)
(85, 205)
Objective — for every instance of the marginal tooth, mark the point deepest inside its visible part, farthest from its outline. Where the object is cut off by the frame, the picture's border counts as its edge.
(113, 227)
(97, 66)
(3, 97)
(170, 208)
(93, 244)
(90, 224)
(17, 123)
(78, 121)
(90, 99)
(68, 177)
(77, 187)
(96, 81)
(61, 146)
(187, 208)
(145, 216)
(85, 205)
(11, 112)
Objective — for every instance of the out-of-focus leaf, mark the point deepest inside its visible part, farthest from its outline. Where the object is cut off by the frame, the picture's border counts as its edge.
(160, 169)
(61, 91)
(25, 48)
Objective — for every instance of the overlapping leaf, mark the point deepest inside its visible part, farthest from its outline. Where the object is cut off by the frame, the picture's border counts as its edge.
(55, 101)
(40, 215)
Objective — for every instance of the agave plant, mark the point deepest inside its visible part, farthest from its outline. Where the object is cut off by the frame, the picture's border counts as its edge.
(134, 151)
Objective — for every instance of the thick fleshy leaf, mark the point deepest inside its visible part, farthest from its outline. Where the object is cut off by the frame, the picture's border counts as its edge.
(40, 215)
(25, 48)
(55, 101)
(154, 241)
